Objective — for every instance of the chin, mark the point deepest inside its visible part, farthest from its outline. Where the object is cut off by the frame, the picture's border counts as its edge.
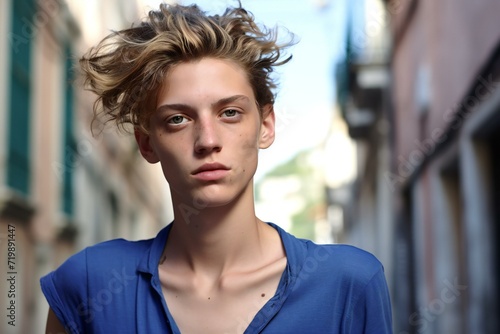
(202, 202)
(216, 197)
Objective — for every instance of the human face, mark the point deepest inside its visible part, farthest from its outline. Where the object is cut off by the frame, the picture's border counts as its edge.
(206, 132)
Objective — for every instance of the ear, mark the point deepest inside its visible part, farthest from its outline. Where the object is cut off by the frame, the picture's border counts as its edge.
(267, 127)
(144, 143)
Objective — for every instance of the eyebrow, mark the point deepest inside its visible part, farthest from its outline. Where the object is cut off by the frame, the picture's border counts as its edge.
(230, 99)
(186, 107)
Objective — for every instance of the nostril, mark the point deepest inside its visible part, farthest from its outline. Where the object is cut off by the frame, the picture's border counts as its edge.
(207, 149)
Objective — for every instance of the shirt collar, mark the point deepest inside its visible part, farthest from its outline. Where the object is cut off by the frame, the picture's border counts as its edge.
(295, 252)
(151, 259)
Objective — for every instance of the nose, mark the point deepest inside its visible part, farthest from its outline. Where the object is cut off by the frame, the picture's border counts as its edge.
(207, 138)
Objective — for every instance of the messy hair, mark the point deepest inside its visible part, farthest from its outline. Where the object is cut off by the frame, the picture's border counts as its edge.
(127, 68)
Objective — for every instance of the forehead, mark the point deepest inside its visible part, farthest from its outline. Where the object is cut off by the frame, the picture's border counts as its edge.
(204, 79)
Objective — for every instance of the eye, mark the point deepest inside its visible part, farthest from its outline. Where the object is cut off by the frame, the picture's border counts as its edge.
(177, 119)
(230, 113)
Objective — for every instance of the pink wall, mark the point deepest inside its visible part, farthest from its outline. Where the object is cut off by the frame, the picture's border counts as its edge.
(453, 39)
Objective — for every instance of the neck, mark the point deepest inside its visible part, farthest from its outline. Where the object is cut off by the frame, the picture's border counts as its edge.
(216, 240)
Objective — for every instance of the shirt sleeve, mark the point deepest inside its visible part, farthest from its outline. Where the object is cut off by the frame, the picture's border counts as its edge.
(66, 289)
(374, 308)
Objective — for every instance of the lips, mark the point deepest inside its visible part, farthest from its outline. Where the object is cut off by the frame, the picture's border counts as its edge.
(210, 167)
(210, 171)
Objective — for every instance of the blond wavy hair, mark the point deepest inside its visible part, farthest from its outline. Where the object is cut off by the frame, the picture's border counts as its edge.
(127, 68)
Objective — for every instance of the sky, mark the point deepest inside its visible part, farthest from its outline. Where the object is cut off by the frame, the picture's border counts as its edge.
(305, 100)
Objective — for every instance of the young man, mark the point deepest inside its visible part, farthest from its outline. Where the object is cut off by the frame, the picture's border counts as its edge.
(198, 91)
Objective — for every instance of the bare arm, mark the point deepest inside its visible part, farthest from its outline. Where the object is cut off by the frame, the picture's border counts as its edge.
(54, 326)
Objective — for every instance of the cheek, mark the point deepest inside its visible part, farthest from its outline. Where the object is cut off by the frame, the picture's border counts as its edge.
(249, 150)
(249, 143)
(170, 155)
(250, 139)
(168, 166)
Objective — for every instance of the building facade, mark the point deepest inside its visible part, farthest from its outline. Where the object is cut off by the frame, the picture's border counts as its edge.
(62, 188)
(435, 165)
(445, 68)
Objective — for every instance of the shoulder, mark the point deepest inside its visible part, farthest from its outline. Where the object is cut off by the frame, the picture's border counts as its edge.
(350, 260)
(117, 251)
(339, 259)
(335, 261)
(344, 276)
(98, 271)
(73, 274)
(108, 253)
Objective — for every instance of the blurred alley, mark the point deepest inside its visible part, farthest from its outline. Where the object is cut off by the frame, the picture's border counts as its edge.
(409, 168)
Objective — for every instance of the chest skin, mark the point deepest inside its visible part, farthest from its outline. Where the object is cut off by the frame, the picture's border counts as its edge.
(228, 306)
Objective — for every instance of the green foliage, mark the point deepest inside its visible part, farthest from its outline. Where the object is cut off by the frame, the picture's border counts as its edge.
(311, 191)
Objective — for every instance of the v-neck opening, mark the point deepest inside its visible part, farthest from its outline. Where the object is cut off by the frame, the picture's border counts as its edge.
(265, 313)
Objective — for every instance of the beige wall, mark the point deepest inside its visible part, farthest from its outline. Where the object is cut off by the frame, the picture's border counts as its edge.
(47, 126)
(105, 164)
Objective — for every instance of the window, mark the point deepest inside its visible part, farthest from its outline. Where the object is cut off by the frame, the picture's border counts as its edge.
(69, 143)
(18, 150)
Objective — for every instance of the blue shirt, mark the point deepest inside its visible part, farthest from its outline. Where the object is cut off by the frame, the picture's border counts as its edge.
(114, 287)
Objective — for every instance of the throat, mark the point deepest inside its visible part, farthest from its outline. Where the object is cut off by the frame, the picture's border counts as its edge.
(215, 249)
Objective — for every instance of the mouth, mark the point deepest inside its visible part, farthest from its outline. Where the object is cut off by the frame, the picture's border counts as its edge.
(210, 171)
(212, 166)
